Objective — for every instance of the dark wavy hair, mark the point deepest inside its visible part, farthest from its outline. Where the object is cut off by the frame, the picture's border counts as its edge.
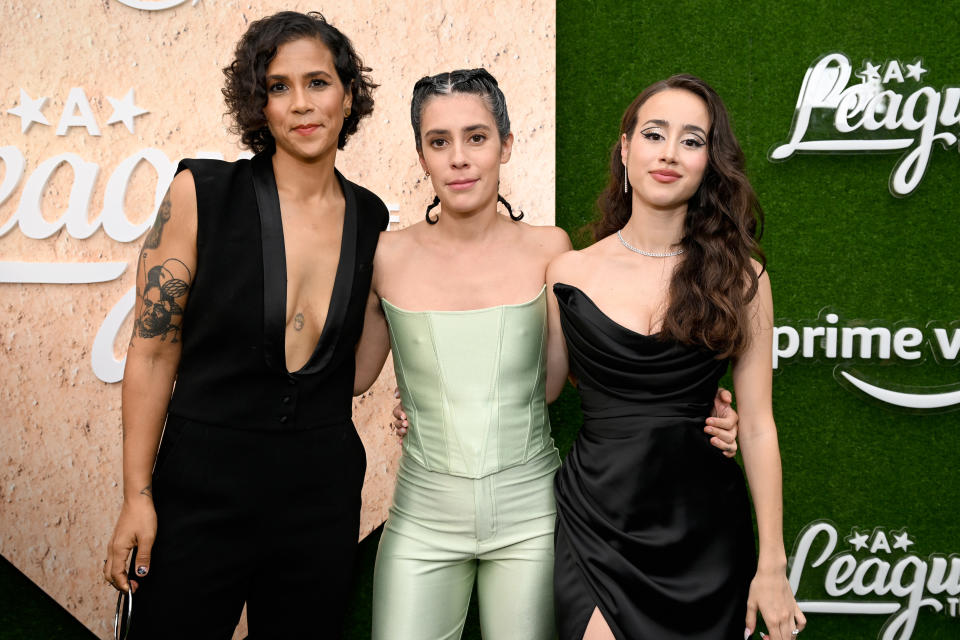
(245, 91)
(714, 282)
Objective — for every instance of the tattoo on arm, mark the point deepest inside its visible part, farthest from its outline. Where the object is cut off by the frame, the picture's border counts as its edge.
(298, 321)
(162, 299)
(147, 491)
(156, 233)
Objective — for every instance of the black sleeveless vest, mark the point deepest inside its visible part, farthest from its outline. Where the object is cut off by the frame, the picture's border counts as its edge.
(232, 368)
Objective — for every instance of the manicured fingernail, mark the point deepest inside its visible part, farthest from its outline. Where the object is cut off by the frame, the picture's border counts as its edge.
(763, 635)
(396, 394)
(746, 634)
(141, 571)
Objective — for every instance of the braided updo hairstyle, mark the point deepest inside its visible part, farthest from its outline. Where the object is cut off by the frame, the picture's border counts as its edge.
(478, 82)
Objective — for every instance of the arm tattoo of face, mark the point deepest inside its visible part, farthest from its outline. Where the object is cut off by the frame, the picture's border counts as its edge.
(298, 321)
(163, 216)
(162, 298)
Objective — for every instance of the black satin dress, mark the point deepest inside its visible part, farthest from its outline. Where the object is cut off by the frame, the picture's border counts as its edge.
(653, 522)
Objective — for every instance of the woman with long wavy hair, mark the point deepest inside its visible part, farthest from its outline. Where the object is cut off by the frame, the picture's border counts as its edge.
(654, 534)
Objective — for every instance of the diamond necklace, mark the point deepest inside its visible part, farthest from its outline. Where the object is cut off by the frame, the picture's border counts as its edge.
(649, 254)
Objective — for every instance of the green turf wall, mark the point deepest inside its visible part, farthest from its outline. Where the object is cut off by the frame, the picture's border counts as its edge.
(835, 237)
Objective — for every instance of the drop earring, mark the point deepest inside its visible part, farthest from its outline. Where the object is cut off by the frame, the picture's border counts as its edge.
(626, 182)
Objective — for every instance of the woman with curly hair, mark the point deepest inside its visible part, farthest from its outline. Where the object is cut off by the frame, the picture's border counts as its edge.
(654, 534)
(254, 494)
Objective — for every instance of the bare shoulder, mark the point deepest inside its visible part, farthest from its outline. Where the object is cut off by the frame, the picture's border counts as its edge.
(546, 242)
(546, 238)
(182, 194)
(764, 296)
(397, 241)
(603, 247)
(176, 222)
(566, 267)
(183, 184)
(763, 275)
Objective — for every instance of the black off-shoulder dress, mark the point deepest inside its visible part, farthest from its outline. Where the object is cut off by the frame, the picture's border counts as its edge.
(653, 522)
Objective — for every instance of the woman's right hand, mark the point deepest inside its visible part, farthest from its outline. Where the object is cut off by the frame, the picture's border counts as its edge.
(400, 422)
(136, 529)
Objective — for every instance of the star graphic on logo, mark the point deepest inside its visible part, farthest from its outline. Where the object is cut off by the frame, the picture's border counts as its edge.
(870, 72)
(901, 539)
(29, 111)
(916, 70)
(857, 539)
(125, 111)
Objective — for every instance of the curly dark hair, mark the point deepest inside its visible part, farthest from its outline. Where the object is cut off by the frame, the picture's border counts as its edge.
(245, 91)
(713, 284)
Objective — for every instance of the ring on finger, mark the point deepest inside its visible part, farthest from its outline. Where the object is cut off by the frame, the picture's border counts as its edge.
(795, 632)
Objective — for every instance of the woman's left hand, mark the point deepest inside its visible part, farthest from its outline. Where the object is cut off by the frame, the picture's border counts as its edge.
(770, 593)
(723, 423)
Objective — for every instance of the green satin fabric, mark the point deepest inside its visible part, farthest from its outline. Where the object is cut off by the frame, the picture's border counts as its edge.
(446, 532)
(473, 385)
(474, 495)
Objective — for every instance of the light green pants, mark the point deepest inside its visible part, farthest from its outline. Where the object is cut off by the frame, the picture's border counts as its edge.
(445, 532)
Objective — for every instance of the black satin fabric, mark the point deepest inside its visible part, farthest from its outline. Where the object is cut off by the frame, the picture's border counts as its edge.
(653, 522)
(275, 271)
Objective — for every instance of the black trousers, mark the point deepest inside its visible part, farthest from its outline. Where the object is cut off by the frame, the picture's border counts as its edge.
(270, 519)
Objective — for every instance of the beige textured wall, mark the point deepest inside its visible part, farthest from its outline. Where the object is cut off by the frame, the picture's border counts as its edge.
(59, 424)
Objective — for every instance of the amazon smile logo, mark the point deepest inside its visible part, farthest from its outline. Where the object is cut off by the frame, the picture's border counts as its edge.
(853, 343)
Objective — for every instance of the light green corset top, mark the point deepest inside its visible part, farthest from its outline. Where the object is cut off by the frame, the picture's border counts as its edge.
(473, 385)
